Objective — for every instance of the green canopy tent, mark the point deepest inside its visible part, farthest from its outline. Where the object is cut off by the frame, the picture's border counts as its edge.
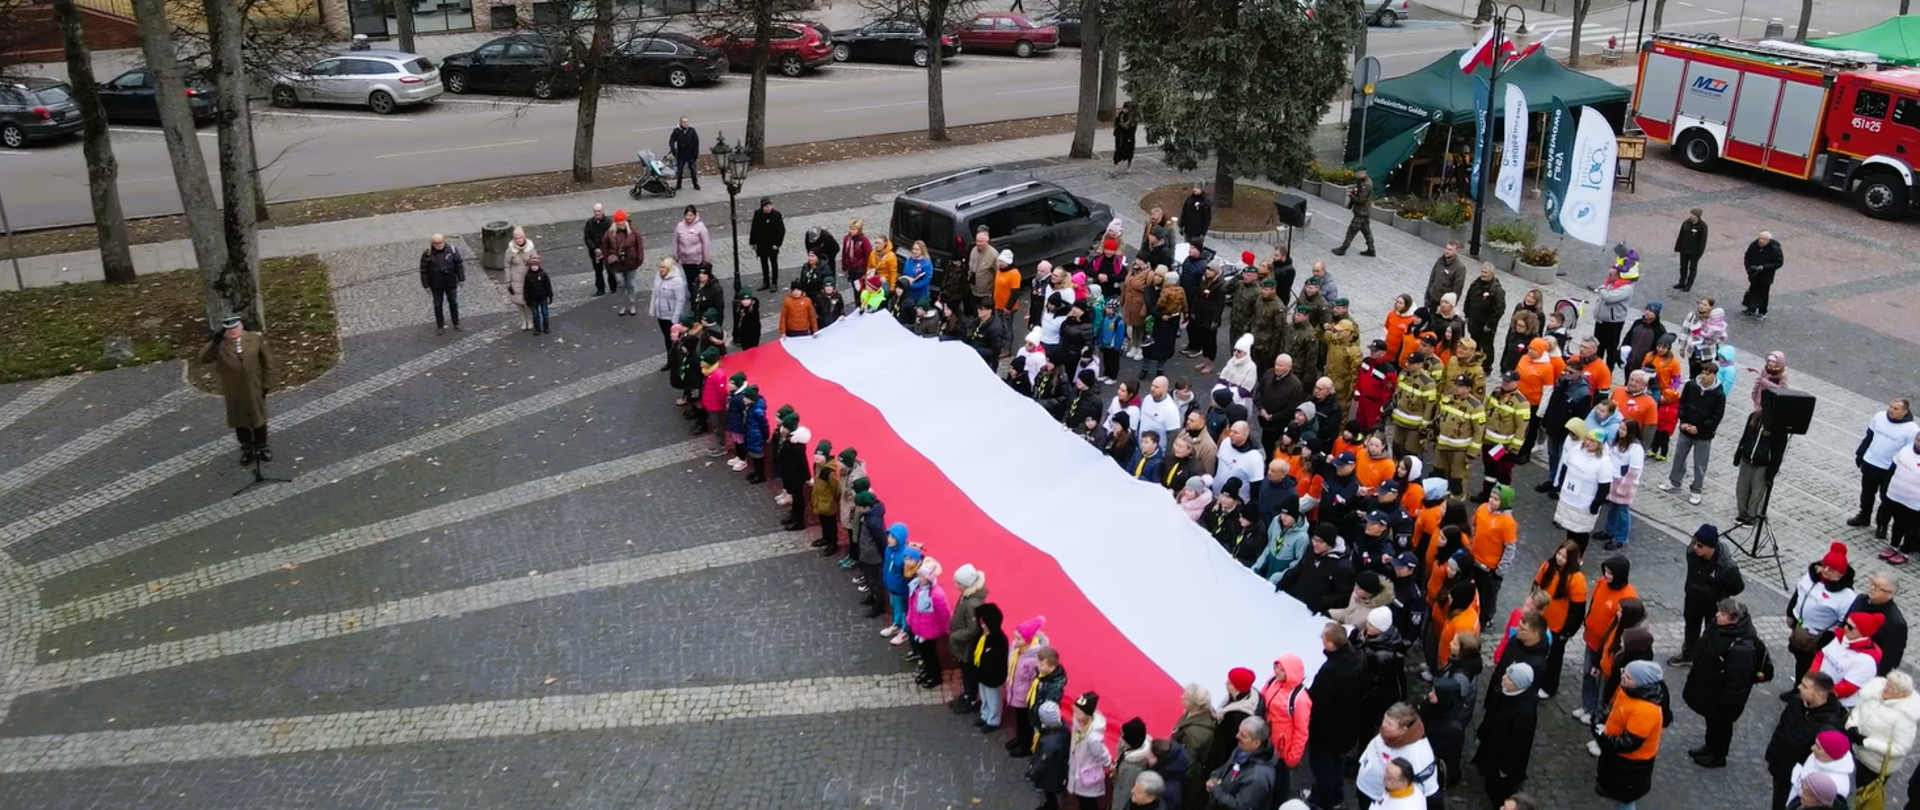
(1388, 156)
(1896, 41)
(1440, 94)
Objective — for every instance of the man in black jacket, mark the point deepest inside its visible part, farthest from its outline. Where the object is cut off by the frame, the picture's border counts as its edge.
(443, 273)
(1196, 215)
(1728, 661)
(986, 333)
(1324, 580)
(683, 143)
(768, 233)
(1877, 598)
(1712, 575)
(595, 230)
(1338, 691)
(1702, 404)
(1764, 258)
(1812, 710)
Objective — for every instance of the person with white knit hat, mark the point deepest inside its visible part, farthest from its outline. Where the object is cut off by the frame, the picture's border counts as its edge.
(1506, 733)
(963, 634)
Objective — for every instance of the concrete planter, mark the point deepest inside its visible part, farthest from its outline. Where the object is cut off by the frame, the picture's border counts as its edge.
(1335, 193)
(1310, 187)
(1535, 274)
(1442, 234)
(1500, 258)
(1412, 226)
(1380, 216)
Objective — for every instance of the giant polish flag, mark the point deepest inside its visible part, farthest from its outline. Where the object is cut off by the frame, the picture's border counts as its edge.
(1139, 600)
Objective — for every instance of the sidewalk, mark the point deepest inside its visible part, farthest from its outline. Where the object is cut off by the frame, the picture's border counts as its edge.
(296, 240)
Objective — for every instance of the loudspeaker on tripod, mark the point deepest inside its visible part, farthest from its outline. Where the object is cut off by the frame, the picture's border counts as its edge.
(1785, 410)
(1291, 209)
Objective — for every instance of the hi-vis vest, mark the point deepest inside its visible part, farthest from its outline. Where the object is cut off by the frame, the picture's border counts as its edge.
(1460, 423)
(1507, 415)
(1414, 396)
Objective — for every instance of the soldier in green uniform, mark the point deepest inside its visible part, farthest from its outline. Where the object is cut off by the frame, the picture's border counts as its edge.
(1319, 309)
(1303, 344)
(1358, 198)
(1269, 326)
(1246, 296)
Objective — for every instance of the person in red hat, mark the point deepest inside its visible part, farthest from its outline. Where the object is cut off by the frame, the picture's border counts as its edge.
(1851, 658)
(1820, 603)
(1241, 703)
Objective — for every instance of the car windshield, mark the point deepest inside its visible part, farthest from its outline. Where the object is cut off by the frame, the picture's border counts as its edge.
(57, 94)
(419, 67)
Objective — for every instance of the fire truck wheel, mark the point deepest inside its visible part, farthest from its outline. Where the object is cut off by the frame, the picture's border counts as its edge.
(1695, 149)
(1880, 195)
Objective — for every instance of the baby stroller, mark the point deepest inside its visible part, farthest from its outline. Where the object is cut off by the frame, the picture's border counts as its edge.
(653, 177)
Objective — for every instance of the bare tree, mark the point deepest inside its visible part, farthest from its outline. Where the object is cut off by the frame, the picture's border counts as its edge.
(403, 20)
(1580, 9)
(16, 34)
(935, 18)
(1109, 71)
(587, 110)
(103, 172)
(757, 88)
(1089, 100)
(593, 41)
(1660, 13)
(239, 280)
(183, 149)
(1806, 19)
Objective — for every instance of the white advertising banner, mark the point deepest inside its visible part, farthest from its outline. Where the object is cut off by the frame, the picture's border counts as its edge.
(1589, 203)
(1513, 151)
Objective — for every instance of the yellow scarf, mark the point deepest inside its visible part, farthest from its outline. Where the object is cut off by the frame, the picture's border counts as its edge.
(1402, 793)
(979, 647)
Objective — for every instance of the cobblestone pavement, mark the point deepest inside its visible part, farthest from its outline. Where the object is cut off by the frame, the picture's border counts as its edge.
(503, 576)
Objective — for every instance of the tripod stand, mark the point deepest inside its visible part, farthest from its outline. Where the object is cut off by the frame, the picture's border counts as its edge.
(260, 478)
(1761, 544)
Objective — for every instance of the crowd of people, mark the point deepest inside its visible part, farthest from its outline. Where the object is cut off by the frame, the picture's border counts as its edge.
(1345, 474)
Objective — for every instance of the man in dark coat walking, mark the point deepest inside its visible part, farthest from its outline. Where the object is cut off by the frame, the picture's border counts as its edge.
(1196, 215)
(683, 143)
(1764, 258)
(1338, 691)
(767, 234)
(1809, 711)
(1690, 244)
(1726, 663)
(1712, 575)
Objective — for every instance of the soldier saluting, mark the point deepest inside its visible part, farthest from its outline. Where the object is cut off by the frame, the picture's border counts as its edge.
(1358, 198)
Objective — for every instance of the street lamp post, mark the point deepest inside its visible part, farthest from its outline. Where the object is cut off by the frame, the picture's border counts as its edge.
(733, 165)
(1485, 148)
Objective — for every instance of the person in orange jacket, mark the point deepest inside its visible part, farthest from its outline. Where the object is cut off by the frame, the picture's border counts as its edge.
(1006, 282)
(797, 318)
(1492, 544)
(1631, 737)
(1538, 371)
(1289, 715)
(1603, 611)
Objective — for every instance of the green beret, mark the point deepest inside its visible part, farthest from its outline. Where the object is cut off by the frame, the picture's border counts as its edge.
(710, 356)
(747, 292)
(711, 315)
(848, 455)
(790, 421)
(824, 448)
(1340, 302)
(751, 391)
(738, 377)
(1304, 309)
(688, 320)
(1267, 284)
(861, 484)
(784, 410)
(865, 499)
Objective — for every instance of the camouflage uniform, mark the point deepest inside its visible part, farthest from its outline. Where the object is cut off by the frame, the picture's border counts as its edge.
(1303, 345)
(1246, 298)
(1269, 329)
(1342, 360)
(1358, 201)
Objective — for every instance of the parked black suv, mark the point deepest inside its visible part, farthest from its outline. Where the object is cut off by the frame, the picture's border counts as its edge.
(36, 109)
(1033, 218)
(516, 63)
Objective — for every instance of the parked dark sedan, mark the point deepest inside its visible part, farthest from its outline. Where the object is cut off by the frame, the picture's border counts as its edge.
(889, 41)
(1069, 24)
(129, 98)
(516, 63)
(675, 60)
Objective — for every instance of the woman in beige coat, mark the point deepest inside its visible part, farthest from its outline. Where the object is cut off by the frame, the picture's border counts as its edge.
(519, 251)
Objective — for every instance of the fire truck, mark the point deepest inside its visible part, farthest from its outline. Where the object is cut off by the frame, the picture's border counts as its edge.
(1836, 118)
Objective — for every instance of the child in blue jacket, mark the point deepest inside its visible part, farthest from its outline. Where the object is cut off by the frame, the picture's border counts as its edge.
(1111, 334)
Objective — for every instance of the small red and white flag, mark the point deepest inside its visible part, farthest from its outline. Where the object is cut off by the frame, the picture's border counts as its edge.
(1514, 57)
(1480, 55)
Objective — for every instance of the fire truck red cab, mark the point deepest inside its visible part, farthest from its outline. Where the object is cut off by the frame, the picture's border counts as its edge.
(1832, 117)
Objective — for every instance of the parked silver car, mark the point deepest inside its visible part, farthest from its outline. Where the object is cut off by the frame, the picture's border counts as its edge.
(380, 80)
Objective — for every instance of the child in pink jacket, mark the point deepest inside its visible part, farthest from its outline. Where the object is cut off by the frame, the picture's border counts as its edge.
(1024, 655)
(928, 613)
(713, 400)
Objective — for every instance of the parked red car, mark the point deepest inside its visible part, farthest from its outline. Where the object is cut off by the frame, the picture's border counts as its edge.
(794, 48)
(1007, 33)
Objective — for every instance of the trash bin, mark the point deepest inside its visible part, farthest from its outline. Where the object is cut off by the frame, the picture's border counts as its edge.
(1775, 29)
(505, 17)
(494, 238)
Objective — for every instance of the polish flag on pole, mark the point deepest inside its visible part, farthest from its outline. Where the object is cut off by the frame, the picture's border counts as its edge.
(1481, 54)
(1515, 56)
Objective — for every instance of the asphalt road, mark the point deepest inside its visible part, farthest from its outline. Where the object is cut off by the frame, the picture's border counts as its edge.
(329, 151)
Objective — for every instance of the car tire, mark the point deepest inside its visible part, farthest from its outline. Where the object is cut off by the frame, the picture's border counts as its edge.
(284, 96)
(454, 81)
(1695, 150)
(1881, 195)
(842, 53)
(543, 89)
(921, 56)
(791, 66)
(12, 136)
(1389, 18)
(1023, 49)
(382, 102)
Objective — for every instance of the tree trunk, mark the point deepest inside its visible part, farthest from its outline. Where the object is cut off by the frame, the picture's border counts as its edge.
(1109, 73)
(1223, 180)
(756, 143)
(103, 173)
(183, 151)
(587, 111)
(935, 25)
(1088, 105)
(1659, 13)
(403, 20)
(239, 276)
(1806, 19)
(1580, 8)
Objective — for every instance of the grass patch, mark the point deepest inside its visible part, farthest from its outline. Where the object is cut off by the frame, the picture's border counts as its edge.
(545, 184)
(54, 331)
(1252, 206)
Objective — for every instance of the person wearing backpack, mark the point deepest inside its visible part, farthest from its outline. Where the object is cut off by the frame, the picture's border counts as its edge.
(1728, 661)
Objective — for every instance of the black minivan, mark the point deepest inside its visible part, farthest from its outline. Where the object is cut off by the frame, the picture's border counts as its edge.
(1035, 219)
